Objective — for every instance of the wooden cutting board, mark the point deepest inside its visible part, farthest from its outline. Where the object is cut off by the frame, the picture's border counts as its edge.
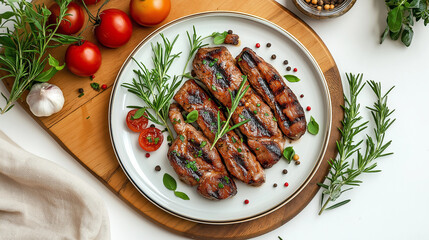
(82, 125)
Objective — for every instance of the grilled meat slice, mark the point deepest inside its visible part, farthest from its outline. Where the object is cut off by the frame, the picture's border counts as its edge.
(216, 68)
(194, 162)
(266, 81)
(233, 39)
(239, 161)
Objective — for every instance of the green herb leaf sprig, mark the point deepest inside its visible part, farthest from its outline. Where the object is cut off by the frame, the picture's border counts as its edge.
(24, 57)
(224, 126)
(171, 184)
(401, 17)
(153, 86)
(344, 172)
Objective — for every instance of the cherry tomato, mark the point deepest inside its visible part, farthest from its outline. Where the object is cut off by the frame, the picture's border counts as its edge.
(150, 139)
(90, 2)
(114, 28)
(83, 58)
(136, 125)
(75, 19)
(149, 12)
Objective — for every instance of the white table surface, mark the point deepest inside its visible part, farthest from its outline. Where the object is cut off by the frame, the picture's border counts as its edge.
(393, 204)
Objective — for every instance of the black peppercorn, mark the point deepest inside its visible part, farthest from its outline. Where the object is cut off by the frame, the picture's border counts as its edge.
(268, 44)
(157, 168)
(285, 62)
(273, 56)
(152, 125)
(80, 90)
(288, 68)
(229, 31)
(284, 171)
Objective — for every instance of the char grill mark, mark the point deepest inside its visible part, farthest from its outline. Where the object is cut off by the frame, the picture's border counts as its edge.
(196, 164)
(268, 83)
(242, 165)
(261, 124)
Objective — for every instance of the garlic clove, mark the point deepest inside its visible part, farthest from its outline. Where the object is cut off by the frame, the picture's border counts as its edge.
(45, 99)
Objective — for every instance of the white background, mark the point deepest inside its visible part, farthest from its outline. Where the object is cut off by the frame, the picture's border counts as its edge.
(393, 204)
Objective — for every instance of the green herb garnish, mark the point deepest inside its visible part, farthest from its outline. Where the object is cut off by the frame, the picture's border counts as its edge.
(292, 78)
(149, 139)
(214, 88)
(219, 38)
(288, 154)
(192, 165)
(138, 114)
(171, 184)
(220, 185)
(258, 105)
(95, 86)
(156, 140)
(223, 129)
(226, 179)
(80, 95)
(203, 144)
(182, 138)
(313, 126)
(192, 116)
(154, 86)
(343, 172)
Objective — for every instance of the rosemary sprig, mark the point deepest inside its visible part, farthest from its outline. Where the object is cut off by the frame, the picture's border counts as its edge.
(223, 126)
(343, 173)
(154, 86)
(24, 57)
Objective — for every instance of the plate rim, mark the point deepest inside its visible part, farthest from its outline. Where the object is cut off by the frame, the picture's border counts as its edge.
(325, 140)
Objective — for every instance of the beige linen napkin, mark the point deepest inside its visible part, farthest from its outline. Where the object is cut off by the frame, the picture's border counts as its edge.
(40, 200)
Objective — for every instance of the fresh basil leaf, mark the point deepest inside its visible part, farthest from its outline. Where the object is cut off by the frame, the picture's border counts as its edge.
(384, 35)
(54, 63)
(139, 113)
(219, 38)
(288, 154)
(313, 126)
(292, 78)
(394, 19)
(181, 195)
(169, 182)
(414, 4)
(192, 116)
(394, 36)
(407, 36)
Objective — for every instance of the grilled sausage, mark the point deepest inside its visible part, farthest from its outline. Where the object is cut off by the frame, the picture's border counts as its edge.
(269, 84)
(194, 162)
(239, 161)
(216, 68)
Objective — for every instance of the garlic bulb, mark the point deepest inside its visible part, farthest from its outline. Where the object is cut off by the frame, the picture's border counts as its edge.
(45, 99)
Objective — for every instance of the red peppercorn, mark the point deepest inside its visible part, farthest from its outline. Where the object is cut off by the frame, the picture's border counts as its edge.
(308, 108)
(92, 76)
(246, 201)
(147, 155)
(104, 86)
(302, 95)
(286, 184)
(258, 45)
(295, 69)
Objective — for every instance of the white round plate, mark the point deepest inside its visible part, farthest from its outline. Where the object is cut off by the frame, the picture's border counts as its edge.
(263, 199)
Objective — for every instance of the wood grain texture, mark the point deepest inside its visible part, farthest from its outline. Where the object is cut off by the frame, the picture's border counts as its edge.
(82, 125)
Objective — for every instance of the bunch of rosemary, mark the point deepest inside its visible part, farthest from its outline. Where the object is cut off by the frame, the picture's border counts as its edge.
(343, 172)
(24, 55)
(153, 86)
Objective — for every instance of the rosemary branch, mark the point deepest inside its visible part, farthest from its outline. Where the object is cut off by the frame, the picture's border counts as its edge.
(342, 172)
(24, 57)
(224, 126)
